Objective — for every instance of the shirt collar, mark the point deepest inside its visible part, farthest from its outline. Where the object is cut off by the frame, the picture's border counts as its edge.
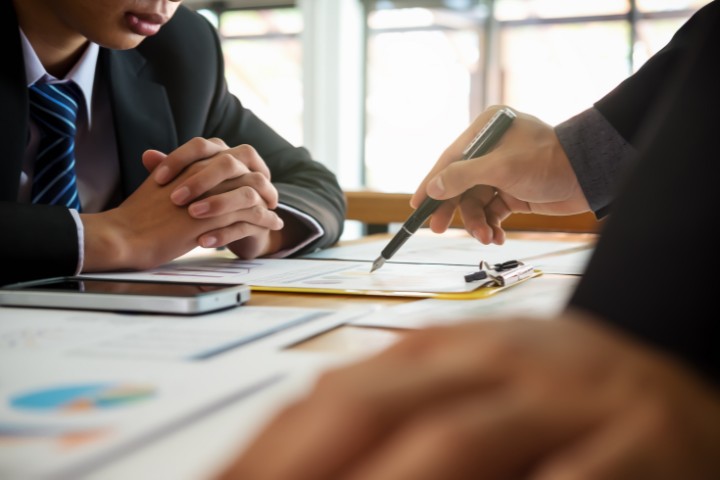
(82, 73)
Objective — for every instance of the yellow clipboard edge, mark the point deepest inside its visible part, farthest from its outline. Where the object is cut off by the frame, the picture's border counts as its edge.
(481, 292)
(338, 291)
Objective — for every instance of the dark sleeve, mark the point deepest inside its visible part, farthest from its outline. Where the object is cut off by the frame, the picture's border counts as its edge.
(302, 182)
(652, 273)
(37, 241)
(598, 154)
(627, 106)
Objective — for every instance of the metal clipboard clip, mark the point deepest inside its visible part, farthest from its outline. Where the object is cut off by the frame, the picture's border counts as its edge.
(513, 275)
(501, 274)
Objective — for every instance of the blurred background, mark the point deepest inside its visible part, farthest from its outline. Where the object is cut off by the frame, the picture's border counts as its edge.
(376, 89)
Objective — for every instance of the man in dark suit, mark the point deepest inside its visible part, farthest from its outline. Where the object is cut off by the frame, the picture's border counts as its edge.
(625, 384)
(152, 97)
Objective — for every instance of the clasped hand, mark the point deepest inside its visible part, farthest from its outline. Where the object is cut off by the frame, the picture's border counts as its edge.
(203, 193)
(231, 180)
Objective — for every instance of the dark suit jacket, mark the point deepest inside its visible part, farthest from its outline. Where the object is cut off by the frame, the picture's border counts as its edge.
(165, 92)
(652, 274)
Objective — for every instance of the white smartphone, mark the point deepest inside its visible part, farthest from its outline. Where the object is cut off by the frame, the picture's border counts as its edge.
(123, 295)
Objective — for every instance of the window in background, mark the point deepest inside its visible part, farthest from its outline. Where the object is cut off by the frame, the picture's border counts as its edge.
(433, 65)
(263, 61)
(421, 73)
(555, 61)
(556, 71)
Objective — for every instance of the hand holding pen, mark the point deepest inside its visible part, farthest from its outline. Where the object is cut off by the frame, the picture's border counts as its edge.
(480, 145)
(526, 172)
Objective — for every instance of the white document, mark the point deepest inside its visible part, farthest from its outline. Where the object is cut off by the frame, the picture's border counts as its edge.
(94, 335)
(78, 388)
(347, 276)
(451, 249)
(541, 297)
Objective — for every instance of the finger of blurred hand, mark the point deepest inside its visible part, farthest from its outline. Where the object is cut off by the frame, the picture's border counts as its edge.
(353, 407)
(666, 433)
(612, 451)
(496, 435)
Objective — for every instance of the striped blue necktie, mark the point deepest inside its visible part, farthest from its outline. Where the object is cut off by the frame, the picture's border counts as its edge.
(54, 108)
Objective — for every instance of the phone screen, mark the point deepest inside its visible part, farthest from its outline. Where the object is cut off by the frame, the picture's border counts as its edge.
(125, 287)
(124, 295)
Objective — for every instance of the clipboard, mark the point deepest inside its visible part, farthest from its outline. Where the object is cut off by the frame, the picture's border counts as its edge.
(495, 281)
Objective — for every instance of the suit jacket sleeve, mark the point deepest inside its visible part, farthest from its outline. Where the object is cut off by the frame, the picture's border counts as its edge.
(37, 241)
(598, 155)
(186, 57)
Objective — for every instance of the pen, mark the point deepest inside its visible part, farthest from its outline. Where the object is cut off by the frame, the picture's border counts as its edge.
(480, 145)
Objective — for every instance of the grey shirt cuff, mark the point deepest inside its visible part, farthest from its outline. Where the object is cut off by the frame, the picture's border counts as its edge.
(598, 155)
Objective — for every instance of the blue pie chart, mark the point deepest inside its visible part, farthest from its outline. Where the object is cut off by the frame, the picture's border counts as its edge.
(83, 397)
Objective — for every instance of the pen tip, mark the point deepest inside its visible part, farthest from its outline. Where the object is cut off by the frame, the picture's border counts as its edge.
(379, 262)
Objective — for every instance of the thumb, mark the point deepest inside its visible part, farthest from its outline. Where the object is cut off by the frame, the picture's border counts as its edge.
(458, 177)
(152, 158)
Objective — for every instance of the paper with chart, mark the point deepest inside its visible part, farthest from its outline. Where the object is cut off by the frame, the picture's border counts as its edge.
(564, 257)
(80, 388)
(330, 276)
